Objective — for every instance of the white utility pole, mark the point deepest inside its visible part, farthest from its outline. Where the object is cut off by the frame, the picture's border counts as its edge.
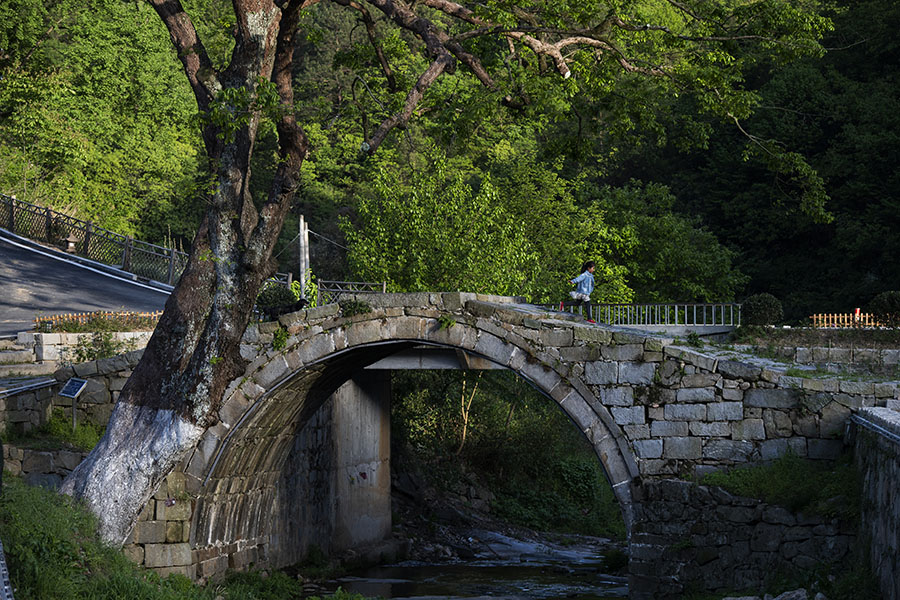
(304, 255)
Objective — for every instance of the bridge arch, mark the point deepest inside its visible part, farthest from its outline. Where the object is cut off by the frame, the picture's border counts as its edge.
(245, 493)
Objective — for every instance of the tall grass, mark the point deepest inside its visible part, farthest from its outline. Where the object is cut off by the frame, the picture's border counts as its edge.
(53, 553)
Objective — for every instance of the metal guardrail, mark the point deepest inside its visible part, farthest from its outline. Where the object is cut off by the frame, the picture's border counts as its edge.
(330, 292)
(83, 238)
(676, 314)
(6, 589)
(35, 385)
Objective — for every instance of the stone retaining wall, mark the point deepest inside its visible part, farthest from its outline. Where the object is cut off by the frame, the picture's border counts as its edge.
(686, 412)
(878, 458)
(46, 468)
(717, 542)
(58, 347)
(881, 361)
(105, 378)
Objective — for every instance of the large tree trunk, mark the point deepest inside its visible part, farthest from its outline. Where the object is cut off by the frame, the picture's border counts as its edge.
(175, 391)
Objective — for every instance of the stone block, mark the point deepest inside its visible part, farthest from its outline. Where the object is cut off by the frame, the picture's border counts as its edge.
(772, 449)
(778, 424)
(212, 567)
(689, 448)
(710, 429)
(857, 388)
(621, 352)
(695, 395)
(648, 448)
(50, 481)
(149, 532)
(771, 398)
(617, 396)
(766, 537)
(593, 334)
(179, 511)
(725, 411)
(824, 449)
(37, 462)
(601, 372)
(738, 370)
(748, 429)
(174, 532)
(732, 394)
(885, 390)
(86, 370)
(685, 412)
(728, 450)
(832, 419)
(668, 428)
(633, 415)
(669, 372)
(700, 380)
(68, 460)
(556, 337)
(637, 432)
(134, 553)
(636, 373)
(167, 555)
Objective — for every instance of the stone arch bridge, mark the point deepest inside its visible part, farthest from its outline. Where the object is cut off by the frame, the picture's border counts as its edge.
(300, 456)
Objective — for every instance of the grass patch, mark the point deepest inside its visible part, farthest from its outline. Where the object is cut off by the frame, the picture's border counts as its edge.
(57, 433)
(831, 490)
(97, 322)
(53, 552)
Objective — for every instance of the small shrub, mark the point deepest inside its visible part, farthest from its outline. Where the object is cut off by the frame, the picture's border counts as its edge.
(275, 295)
(354, 307)
(886, 309)
(761, 309)
(101, 344)
(279, 338)
(694, 340)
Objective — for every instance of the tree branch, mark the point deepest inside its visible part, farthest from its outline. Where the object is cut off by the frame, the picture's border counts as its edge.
(413, 98)
(193, 56)
(369, 22)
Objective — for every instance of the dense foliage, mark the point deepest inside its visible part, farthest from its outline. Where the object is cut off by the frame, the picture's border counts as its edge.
(95, 118)
(886, 308)
(494, 428)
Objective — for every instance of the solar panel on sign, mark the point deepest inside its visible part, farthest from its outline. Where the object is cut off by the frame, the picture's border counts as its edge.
(73, 387)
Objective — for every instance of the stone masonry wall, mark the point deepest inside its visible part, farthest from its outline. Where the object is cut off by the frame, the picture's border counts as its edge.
(686, 412)
(689, 537)
(878, 457)
(106, 377)
(58, 347)
(46, 468)
(878, 360)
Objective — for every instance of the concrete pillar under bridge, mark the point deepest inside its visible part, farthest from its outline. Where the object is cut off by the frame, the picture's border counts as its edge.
(361, 442)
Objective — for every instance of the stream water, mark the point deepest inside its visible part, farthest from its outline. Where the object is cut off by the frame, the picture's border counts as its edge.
(504, 567)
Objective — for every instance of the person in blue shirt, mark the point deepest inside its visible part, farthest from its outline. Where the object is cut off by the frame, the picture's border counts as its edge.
(584, 285)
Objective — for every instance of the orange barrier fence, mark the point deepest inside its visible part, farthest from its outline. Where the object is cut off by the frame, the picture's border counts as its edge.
(126, 319)
(856, 319)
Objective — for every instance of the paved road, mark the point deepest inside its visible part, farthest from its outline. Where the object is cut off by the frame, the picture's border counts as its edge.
(32, 284)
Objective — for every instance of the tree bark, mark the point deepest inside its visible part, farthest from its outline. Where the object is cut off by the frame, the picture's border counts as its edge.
(175, 391)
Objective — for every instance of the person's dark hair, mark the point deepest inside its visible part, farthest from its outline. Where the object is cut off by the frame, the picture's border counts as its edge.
(587, 265)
